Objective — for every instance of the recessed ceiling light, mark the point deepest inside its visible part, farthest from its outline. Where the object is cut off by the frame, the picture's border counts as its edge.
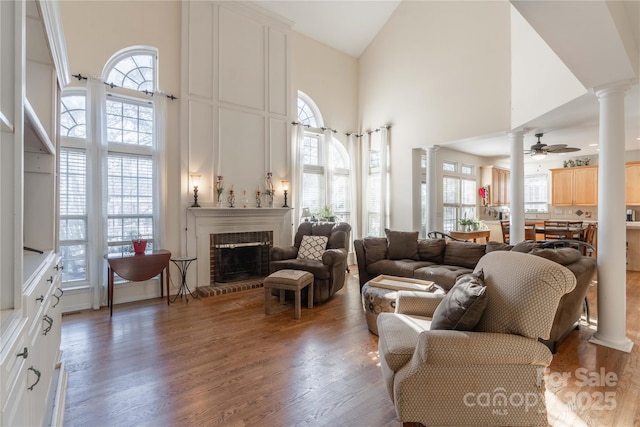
(593, 145)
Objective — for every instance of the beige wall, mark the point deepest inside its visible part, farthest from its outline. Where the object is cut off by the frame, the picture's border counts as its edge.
(330, 78)
(437, 72)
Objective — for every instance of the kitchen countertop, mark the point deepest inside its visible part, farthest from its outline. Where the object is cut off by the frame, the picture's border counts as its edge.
(633, 225)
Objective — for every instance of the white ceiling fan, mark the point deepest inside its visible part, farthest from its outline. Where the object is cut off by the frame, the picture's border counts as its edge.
(540, 150)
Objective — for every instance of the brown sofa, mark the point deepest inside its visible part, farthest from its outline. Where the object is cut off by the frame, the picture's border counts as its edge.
(329, 272)
(443, 261)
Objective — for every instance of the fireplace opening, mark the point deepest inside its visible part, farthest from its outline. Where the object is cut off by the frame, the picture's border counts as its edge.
(240, 256)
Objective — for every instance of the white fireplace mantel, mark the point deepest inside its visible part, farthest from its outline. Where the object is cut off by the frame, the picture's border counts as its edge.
(204, 221)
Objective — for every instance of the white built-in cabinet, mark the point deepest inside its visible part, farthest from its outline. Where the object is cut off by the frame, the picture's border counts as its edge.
(31, 53)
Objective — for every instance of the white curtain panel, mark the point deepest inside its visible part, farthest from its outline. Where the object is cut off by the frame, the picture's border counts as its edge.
(352, 149)
(384, 165)
(97, 194)
(160, 172)
(364, 173)
(297, 139)
(328, 163)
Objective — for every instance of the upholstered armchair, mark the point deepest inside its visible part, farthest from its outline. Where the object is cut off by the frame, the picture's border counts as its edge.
(329, 270)
(492, 374)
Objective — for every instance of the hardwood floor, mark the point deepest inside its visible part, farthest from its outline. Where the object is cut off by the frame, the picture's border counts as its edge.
(222, 361)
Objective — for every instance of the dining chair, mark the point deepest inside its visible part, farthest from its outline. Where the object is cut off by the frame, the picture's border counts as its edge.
(530, 231)
(589, 235)
(504, 224)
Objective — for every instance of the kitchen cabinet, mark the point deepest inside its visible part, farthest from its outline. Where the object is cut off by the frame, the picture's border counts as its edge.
(576, 186)
(498, 181)
(30, 266)
(633, 246)
(632, 171)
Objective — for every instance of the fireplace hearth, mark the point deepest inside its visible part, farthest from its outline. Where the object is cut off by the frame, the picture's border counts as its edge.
(239, 256)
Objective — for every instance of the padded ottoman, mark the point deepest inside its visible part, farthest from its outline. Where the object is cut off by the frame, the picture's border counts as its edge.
(376, 300)
(288, 280)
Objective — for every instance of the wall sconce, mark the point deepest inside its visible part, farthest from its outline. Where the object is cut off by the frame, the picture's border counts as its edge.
(285, 189)
(195, 181)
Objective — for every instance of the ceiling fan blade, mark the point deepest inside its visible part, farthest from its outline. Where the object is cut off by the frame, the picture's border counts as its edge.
(564, 150)
(555, 147)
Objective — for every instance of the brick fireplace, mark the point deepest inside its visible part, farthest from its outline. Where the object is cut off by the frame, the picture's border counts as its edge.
(245, 225)
(239, 256)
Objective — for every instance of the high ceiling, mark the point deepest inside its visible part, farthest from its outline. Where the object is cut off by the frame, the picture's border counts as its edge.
(350, 26)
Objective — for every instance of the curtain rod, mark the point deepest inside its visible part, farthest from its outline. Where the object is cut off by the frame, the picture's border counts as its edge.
(111, 85)
(357, 135)
(308, 126)
(368, 132)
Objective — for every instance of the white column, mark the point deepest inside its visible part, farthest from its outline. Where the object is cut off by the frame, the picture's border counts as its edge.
(432, 190)
(516, 189)
(611, 225)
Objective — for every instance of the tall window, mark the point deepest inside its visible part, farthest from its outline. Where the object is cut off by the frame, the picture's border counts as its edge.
(325, 170)
(130, 173)
(458, 194)
(73, 187)
(130, 165)
(536, 193)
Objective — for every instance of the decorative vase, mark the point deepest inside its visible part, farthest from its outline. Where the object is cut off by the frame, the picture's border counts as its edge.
(231, 199)
(258, 200)
(139, 246)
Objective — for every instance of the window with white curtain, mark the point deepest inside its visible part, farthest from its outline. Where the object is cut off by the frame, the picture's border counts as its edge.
(373, 186)
(326, 174)
(130, 166)
(458, 194)
(536, 193)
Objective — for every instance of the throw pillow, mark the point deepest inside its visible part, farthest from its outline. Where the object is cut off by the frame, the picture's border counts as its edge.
(402, 244)
(463, 305)
(375, 249)
(312, 247)
(563, 256)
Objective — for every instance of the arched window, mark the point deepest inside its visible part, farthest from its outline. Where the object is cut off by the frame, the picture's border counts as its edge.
(73, 116)
(132, 70)
(326, 181)
(126, 162)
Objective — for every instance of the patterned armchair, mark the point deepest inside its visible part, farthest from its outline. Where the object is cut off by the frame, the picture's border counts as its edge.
(492, 375)
(329, 271)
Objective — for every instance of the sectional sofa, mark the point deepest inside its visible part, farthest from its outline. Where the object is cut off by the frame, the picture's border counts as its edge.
(443, 261)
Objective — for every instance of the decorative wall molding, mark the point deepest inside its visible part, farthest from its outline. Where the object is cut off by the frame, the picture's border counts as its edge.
(235, 97)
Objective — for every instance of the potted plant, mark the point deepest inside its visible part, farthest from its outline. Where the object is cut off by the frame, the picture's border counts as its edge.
(472, 224)
(139, 244)
(326, 213)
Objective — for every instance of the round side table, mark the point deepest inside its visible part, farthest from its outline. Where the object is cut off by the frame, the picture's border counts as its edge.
(183, 264)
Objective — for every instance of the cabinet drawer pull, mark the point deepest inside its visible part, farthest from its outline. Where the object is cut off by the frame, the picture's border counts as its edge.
(59, 267)
(49, 320)
(57, 296)
(40, 298)
(24, 354)
(50, 279)
(35, 371)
